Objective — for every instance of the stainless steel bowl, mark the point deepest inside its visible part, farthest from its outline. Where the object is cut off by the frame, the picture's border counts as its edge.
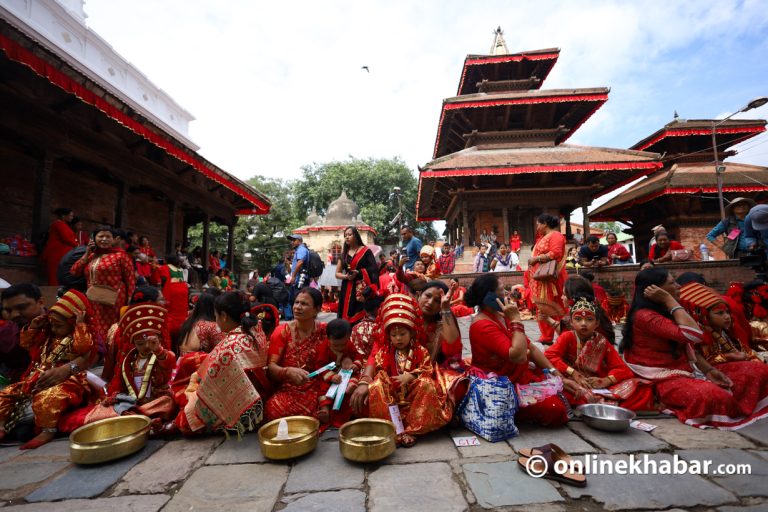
(610, 418)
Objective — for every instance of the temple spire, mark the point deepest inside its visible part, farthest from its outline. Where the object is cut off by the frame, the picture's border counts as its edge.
(499, 47)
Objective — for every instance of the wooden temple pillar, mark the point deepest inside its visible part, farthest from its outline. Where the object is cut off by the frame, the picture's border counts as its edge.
(465, 224)
(585, 214)
(206, 235)
(568, 233)
(42, 196)
(170, 234)
(505, 225)
(231, 244)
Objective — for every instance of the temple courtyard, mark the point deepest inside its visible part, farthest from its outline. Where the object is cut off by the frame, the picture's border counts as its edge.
(217, 474)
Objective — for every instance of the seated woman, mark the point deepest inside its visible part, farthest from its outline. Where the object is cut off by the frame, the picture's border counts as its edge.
(141, 384)
(294, 352)
(617, 253)
(499, 345)
(658, 344)
(227, 391)
(661, 251)
(399, 376)
(456, 295)
(588, 358)
(53, 340)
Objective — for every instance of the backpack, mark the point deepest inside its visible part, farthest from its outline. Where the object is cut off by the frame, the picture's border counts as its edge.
(315, 265)
(279, 291)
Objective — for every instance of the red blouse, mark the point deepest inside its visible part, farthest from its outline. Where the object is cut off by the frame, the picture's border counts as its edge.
(654, 335)
(563, 353)
(618, 250)
(673, 246)
(491, 341)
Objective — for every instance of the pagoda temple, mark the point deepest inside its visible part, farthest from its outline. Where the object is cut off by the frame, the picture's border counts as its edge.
(500, 157)
(683, 195)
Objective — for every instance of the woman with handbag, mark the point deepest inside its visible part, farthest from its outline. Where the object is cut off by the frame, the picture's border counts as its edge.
(547, 274)
(500, 346)
(732, 228)
(110, 278)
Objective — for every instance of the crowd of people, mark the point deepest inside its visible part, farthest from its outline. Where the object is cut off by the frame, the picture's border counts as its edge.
(228, 360)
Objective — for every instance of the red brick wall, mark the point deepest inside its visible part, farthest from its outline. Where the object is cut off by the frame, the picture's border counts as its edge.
(693, 237)
(719, 274)
(92, 200)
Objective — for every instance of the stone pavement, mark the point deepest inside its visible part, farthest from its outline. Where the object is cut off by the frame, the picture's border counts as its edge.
(214, 474)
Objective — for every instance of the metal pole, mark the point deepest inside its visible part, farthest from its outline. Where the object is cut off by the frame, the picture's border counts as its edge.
(400, 218)
(718, 172)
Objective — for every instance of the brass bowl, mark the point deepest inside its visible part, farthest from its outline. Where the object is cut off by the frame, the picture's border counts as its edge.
(367, 440)
(303, 432)
(108, 439)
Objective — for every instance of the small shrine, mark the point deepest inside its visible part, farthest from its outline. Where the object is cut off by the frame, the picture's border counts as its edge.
(325, 234)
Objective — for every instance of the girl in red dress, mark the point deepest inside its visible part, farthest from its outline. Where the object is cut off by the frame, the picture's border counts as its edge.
(659, 344)
(587, 357)
(61, 240)
(110, 278)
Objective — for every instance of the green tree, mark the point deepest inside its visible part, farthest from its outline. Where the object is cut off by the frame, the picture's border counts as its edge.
(262, 237)
(612, 226)
(369, 182)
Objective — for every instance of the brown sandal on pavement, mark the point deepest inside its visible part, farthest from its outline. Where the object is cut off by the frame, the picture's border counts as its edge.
(542, 461)
(549, 447)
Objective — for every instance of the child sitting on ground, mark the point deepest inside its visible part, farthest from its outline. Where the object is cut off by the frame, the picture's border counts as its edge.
(587, 357)
(403, 375)
(53, 340)
(346, 356)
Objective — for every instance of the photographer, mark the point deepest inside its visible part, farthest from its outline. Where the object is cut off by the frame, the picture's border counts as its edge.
(756, 227)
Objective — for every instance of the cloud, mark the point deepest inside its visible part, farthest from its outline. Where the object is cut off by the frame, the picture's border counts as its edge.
(275, 86)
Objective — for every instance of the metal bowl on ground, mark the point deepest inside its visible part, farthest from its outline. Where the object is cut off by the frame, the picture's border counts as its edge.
(610, 418)
(108, 439)
(367, 440)
(303, 433)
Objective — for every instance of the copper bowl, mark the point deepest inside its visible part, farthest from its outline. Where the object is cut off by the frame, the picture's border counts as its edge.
(108, 439)
(367, 440)
(303, 432)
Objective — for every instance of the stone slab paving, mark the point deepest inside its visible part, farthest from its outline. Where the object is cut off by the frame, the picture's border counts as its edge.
(147, 503)
(629, 492)
(531, 436)
(486, 449)
(15, 475)
(238, 487)
(763, 454)
(415, 487)
(57, 450)
(761, 507)
(631, 440)
(432, 447)
(500, 484)
(325, 470)
(91, 481)
(234, 451)
(753, 484)
(680, 435)
(756, 432)
(9, 452)
(171, 464)
(338, 501)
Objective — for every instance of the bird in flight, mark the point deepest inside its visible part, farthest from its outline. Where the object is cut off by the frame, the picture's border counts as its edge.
(366, 68)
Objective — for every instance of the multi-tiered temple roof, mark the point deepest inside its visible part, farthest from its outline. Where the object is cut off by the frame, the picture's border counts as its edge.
(499, 154)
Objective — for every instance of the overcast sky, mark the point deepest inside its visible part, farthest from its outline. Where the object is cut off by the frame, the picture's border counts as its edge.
(278, 85)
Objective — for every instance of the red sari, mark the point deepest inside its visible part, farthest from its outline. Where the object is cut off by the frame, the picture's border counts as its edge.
(61, 240)
(597, 358)
(514, 243)
(547, 295)
(491, 340)
(176, 293)
(351, 297)
(423, 404)
(114, 268)
(227, 390)
(695, 402)
(287, 350)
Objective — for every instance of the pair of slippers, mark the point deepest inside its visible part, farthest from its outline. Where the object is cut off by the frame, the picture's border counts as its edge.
(541, 461)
